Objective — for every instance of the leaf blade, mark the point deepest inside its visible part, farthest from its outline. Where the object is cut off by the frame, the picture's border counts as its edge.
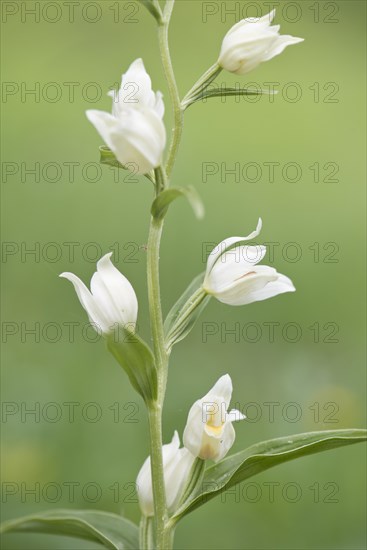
(137, 360)
(153, 9)
(180, 321)
(262, 456)
(110, 530)
(162, 202)
(108, 158)
(225, 92)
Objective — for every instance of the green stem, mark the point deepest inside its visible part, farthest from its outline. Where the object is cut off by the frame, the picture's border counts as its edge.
(172, 86)
(155, 409)
(159, 494)
(169, 534)
(155, 309)
(163, 533)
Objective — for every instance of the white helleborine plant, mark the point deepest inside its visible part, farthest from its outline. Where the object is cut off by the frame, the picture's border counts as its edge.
(134, 131)
(209, 433)
(111, 299)
(252, 41)
(174, 480)
(233, 276)
(177, 464)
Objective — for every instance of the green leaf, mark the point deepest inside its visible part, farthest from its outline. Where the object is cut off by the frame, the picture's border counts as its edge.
(204, 81)
(262, 456)
(224, 92)
(161, 203)
(184, 314)
(194, 482)
(110, 530)
(108, 157)
(153, 8)
(137, 360)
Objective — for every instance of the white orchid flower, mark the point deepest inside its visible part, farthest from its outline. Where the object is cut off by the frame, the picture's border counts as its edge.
(111, 299)
(134, 131)
(209, 433)
(177, 464)
(251, 42)
(234, 278)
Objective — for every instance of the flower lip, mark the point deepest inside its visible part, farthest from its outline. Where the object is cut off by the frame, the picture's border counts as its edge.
(209, 433)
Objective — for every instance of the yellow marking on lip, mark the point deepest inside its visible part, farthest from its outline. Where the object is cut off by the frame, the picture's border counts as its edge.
(211, 427)
(215, 430)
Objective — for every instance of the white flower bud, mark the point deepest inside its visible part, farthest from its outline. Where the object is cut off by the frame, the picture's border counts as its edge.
(209, 433)
(252, 41)
(134, 131)
(233, 277)
(111, 300)
(177, 464)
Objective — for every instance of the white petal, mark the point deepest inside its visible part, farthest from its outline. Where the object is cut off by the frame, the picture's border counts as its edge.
(144, 480)
(170, 449)
(235, 416)
(95, 314)
(177, 464)
(141, 128)
(227, 243)
(136, 87)
(105, 124)
(280, 44)
(268, 18)
(145, 489)
(176, 473)
(240, 290)
(244, 24)
(229, 436)
(264, 283)
(194, 429)
(232, 265)
(222, 388)
(137, 137)
(159, 104)
(280, 286)
(265, 19)
(119, 289)
(136, 92)
(140, 139)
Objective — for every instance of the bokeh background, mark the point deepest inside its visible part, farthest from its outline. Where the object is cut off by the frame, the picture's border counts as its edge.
(310, 374)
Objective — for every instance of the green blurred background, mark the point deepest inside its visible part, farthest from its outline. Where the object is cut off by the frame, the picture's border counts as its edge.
(312, 373)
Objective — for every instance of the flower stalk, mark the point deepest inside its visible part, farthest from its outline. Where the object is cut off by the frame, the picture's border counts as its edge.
(172, 86)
